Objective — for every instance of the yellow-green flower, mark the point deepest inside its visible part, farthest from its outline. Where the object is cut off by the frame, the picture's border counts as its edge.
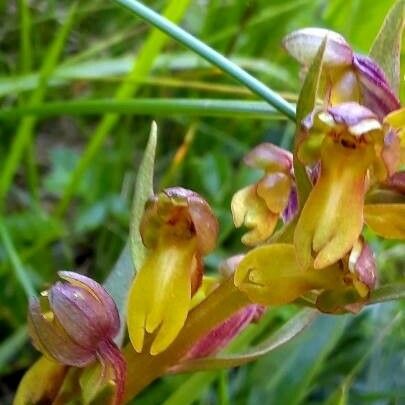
(178, 228)
(348, 141)
(259, 206)
(271, 275)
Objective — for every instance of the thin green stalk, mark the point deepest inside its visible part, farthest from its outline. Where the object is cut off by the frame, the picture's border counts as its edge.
(20, 271)
(26, 127)
(25, 42)
(141, 68)
(151, 106)
(210, 55)
(25, 68)
(12, 345)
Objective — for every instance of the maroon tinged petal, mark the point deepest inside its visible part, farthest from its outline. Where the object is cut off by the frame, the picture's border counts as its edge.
(376, 93)
(220, 336)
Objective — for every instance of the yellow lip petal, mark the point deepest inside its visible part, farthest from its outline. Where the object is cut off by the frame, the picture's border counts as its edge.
(332, 217)
(160, 297)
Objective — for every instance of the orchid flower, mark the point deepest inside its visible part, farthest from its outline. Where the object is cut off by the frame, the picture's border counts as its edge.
(259, 206)
(178, 228)
(271, 275)
(346, 76)
(348, 141)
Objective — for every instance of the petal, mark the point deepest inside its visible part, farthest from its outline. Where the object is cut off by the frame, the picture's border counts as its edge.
(274, 189)
(386, 220)
(52, 340)
(376, 92)
(220, 336)
(271, 275)
(250, 210)
(95, 289)
(269, 158)
(160, 297)
(332, 217)
(304, 44)
(81, 314)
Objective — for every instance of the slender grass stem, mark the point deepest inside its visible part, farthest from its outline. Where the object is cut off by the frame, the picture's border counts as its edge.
(210, 55)
(148, 106)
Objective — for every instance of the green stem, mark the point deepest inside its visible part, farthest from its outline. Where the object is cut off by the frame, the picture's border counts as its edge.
(147, 106)
(218, 307)
(210, 55)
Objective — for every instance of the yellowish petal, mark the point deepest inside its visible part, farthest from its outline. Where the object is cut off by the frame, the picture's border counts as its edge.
(332, 217)
(250, 210)
(274, 189)
(386, 220)
(160, 297)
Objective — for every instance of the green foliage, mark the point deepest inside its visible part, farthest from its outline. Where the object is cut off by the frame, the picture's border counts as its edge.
(74, 159)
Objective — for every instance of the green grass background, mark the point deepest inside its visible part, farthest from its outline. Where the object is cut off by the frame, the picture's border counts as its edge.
(67, 175)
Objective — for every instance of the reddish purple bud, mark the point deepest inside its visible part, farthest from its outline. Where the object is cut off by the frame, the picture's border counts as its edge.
(75, 322)
(362, 265)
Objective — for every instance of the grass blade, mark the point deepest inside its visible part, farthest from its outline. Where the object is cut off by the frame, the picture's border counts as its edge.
(16, 262)
(24, 131)
(152, 106)
(141, 68)
(211, 55)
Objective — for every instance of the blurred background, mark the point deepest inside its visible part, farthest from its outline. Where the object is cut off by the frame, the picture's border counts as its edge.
(67, 175)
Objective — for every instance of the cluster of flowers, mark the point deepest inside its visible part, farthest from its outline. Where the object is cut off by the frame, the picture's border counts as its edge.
(351, 148)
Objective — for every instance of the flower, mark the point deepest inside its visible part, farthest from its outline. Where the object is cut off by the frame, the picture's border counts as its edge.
(74, 323)
(259, 206)
(346, 76)
(271, 275)
(349, 142)
(177, 228)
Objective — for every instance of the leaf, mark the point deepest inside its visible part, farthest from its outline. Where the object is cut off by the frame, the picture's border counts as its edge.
(287, 332)
(341, 395)
(306, 103)
(389, 292)
(117, 284)
(386, 48)
(143, 191)
(12, 345)
(20, 272)
(295, 366)
(131, 257)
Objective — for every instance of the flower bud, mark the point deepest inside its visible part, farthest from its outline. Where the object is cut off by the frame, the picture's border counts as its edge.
(75, 322)
(177, 228)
